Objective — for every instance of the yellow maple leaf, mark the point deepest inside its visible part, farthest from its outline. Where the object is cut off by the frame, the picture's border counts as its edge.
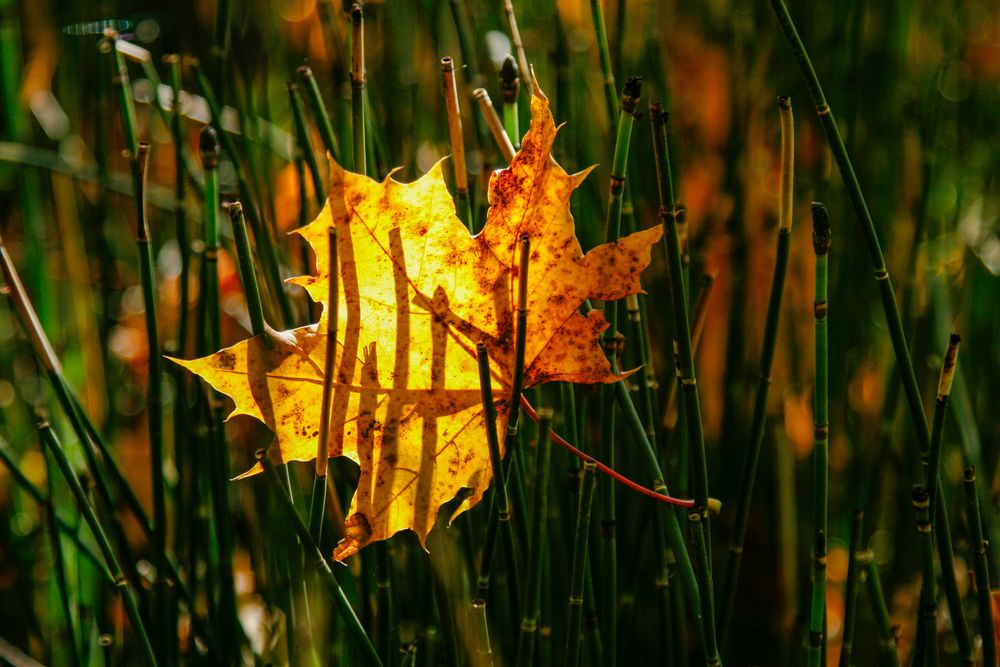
(416, 294)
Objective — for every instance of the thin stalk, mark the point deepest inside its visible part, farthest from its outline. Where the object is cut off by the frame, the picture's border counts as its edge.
(260, 230)
(319, 112)
(124, 589)
(244, 255)
(515, 36)
(358, 88)
(921, 500)
(501, 499)
(319, 561)
(984, 597)
(388, 642)
(940, 411)
(611, 343)
(821, 433)
(154, 407)
(700, 557)
(756, 437)
(469, 65)
(510, 86)
(480, 630)
(686, 377)
(887, 636)
(854, 568)
(575, 617)
(318, 501)
(305, 145)
(604, 53)
(58, 562)
(457, 143)
(500, 135)
(218, 451)
(539, 517)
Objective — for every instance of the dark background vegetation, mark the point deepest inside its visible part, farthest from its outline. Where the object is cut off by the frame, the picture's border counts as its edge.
(916, 88)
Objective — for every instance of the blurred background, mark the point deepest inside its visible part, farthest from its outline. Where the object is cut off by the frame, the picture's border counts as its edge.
(916, 89)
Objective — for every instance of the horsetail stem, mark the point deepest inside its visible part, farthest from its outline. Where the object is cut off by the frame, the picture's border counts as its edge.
(537, 536)
(358, 89)
(854, 568)
(926, 652)
(320, 114)
(305, 145)
(515, 37)
(756, 435)
(984, 596)
(888, 642)
(510, 86)
(575, 618)
(457, 142)
(500, 135)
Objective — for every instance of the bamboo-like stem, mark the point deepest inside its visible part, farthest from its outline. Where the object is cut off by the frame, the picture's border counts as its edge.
(920, 497)
(305, 146)
(686, 377)
(319, 561)
(854, 568)
(981, 568)
(493, 122)
(258, 327)
(469, 65)
(510, 86)
(319, 112)
(154, 406)
(756, 436)
(611, 338)
(887, 636)
(218, 452)
(58, 562)
(700, 557)
(457, 142)
(318, 501)
(386, 636)
(515, 37)
(358, 89)
(575, 615)
(537, 535)
(604, 55)
(501, 498)
(698, 316)
(821, 429)
(933, 476)
(51, 442)
(481, 630)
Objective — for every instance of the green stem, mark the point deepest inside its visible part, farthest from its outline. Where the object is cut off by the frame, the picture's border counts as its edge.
(247, 271)
(59, 564)
(700, 555)
(921, 499)
(981, 567)
(887, 636)
(50, 441)
(686, 378)
(575, 617)
(510, 86)
(319, 112)
(756, 436)
(305, 145)
(851, 589)
(344, 608)
(821, 437)
(539, 517)
(318, 501)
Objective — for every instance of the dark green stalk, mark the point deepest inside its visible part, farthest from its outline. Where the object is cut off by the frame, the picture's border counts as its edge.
(887, 636)
(575, 618)
(686, 376)
(344, 608)
(748, 476)
(319, 112)
(539, 517)
(358, 88)
(51, 442)
(940, 411)
(220, 41)
(247, 271)
(921, 499)
(126, 107)
(218, 452)
(469, 64)
(388, 641)
(481, 630)
(318, 501)
(607, 73)
(821, 434)
(611, 339)
(58, 562)
(305, 145)
(981, 567)
(854, 568)
(457, 143)
(154, 407)
(700, 557)
(264, 242)
(500, 136)
(500, 497)
(510, 86)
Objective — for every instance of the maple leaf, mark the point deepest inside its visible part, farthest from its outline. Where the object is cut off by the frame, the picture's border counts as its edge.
(416, 294)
